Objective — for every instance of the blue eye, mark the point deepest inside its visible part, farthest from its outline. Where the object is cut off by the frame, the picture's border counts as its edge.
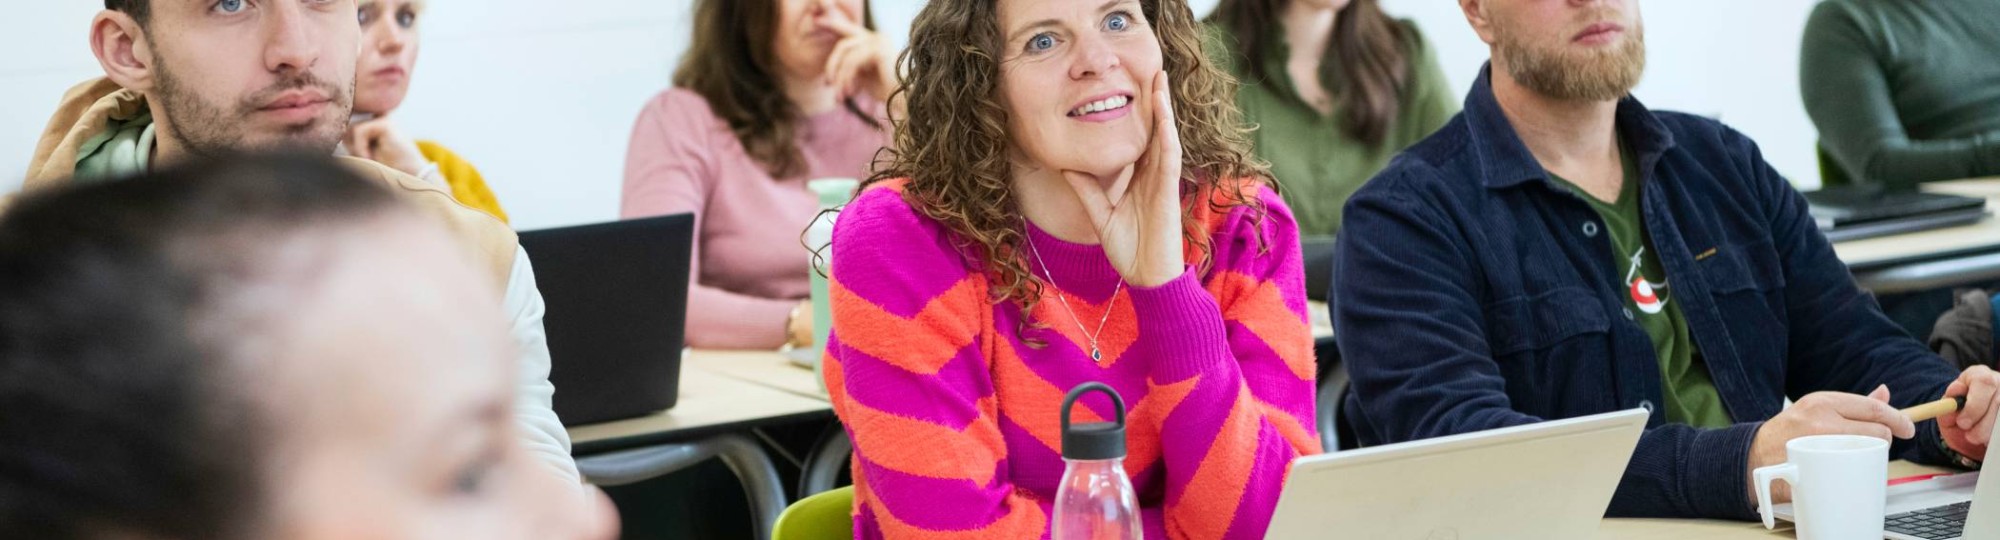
(1041, 42)
(1118, 22)
(229, 6)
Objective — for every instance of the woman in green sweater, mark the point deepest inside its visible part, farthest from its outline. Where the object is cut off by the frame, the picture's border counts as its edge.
(1904, 92)
(1330, 119)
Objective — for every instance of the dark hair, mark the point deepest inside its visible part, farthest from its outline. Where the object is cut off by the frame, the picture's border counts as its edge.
(140, 10)
(1368, 59)
(732, 64)
(122, 404)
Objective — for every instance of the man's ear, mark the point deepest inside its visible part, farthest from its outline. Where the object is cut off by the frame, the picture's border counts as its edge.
(1475, 13)
(122, 49)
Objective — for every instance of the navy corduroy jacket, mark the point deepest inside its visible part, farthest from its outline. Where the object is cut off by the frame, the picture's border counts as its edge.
(1474, 292)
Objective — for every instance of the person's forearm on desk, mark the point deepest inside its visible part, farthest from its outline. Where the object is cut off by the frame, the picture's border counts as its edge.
(720, 319)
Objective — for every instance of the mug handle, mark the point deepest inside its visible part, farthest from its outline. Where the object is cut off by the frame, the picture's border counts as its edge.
(1763, 477)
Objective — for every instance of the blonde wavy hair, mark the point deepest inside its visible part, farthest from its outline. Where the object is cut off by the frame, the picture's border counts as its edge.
(953, 147)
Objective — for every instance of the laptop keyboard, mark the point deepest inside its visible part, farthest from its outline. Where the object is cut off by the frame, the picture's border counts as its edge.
(1934, 523)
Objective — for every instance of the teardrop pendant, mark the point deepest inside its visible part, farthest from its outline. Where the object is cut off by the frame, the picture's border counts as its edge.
(1096, 355)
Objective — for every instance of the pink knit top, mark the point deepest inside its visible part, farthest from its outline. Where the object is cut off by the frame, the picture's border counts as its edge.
(750, 268)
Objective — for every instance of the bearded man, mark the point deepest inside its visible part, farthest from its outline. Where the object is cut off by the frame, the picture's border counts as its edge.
(1559, 250)
(186, 79)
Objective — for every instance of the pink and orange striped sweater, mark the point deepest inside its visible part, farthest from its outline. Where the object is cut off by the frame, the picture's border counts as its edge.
(954, 418)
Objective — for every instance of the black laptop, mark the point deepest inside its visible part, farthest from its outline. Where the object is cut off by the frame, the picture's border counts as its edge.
(1870, 210)
(617, 310)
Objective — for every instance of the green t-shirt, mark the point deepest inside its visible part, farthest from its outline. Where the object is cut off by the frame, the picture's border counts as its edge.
(1318, 165)
(1690, 396)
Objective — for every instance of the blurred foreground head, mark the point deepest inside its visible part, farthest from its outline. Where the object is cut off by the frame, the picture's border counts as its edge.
(264, 347)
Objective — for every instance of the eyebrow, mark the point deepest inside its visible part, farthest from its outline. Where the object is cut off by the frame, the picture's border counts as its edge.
(1045, 23)
(486, 411)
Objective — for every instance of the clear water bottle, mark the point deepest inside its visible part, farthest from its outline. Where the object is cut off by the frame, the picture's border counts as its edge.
(1095, 500)
(832, 192)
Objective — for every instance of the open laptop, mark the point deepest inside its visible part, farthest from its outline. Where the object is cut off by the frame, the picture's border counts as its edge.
(1944, 508)
(617, 309)
(1865, 211)
(1549, 481)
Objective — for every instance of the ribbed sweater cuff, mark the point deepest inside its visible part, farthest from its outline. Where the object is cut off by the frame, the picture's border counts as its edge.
(1180, 328)
(1718, 472)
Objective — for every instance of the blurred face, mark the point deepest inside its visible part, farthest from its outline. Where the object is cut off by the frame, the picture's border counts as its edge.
(389, 39)
(391, 393)
(1567, 49)
(237, 75)
(802, 41)
(1073, 76)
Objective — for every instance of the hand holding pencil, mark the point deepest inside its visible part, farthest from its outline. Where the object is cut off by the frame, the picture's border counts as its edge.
(1968, 429)
(1934, 409)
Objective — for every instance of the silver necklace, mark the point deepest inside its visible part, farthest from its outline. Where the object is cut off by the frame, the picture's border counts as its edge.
(1096, 355)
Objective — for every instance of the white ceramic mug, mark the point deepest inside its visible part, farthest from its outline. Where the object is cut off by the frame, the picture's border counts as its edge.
(1839, 485)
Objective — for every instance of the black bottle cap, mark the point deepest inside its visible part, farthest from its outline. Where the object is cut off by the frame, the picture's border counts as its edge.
(1095, 440)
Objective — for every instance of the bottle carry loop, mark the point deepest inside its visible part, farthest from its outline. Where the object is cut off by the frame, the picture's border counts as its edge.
(1095, 440)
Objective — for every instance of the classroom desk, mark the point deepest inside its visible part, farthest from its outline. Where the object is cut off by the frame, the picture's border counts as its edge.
(707, 422)
(1698, 529)
(768, 369)
(1934, 259)
(710, 403)
(776, 371)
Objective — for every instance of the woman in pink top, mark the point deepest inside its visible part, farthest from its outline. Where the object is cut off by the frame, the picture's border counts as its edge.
(746, 125)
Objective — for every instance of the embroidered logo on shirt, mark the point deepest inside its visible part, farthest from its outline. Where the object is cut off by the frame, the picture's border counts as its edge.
(1649, 296)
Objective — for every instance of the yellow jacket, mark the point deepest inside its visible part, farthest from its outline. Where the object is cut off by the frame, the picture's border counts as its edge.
(466, 184)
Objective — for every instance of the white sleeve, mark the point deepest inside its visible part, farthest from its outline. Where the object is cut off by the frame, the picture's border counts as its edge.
(533, 402)
(434, 175)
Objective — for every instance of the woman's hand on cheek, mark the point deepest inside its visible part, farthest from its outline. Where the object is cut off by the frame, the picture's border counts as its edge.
(1138, 217)
(860, 61)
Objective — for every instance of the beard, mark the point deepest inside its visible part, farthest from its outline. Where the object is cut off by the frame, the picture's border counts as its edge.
(209, 129)
(1601, 74)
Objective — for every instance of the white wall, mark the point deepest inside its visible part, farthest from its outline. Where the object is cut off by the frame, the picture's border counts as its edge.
(541, 95)
(1732, 60)
(43, 51)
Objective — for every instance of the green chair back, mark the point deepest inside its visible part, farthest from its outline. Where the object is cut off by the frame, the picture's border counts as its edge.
(826, 516)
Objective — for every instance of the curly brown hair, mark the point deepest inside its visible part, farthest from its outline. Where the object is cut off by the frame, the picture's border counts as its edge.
(953, 147)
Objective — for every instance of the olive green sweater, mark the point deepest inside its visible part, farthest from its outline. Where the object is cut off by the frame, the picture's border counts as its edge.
(1904, 91)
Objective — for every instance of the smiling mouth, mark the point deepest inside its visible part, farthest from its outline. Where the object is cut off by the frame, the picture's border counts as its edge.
(1107, 104)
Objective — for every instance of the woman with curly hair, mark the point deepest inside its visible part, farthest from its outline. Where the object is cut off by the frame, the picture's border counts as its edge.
(1066, 200)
